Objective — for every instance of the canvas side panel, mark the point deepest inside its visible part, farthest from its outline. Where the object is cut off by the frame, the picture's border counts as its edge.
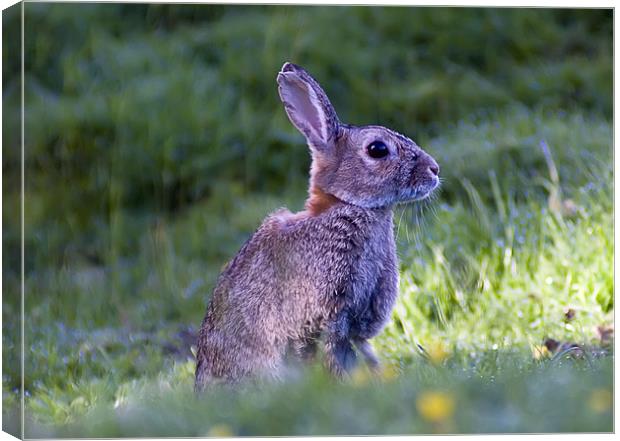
(11, 221)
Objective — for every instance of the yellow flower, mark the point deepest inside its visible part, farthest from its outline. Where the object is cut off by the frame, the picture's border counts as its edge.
(600, 400)
(437, 352)
(389, 373)
(541, 352)
(220, 431)
(435, 406)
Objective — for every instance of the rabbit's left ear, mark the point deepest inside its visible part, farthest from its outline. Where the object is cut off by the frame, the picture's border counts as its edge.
(307, 106)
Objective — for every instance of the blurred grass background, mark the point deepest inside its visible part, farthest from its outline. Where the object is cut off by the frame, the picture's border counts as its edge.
(155, 144)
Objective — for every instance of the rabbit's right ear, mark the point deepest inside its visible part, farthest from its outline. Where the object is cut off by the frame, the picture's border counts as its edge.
(307, 106)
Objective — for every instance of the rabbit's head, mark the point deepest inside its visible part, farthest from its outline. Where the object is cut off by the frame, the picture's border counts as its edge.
(368, 166)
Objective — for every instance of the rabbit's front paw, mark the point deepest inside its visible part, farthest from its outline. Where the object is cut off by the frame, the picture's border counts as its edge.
(340, 357)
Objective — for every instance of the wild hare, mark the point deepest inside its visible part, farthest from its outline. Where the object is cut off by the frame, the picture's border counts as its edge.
(327, 272)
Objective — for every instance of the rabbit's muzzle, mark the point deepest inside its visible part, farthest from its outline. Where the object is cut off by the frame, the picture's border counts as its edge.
(424, 176)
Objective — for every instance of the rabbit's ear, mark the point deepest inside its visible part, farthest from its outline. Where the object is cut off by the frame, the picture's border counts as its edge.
(307, 106)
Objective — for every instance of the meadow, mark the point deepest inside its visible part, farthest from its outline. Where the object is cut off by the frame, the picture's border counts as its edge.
(155, 144)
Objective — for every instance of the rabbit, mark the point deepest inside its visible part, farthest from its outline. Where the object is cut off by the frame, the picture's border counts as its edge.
(328, 272)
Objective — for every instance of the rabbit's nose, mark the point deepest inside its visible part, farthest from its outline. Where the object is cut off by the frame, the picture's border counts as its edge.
(434, 168)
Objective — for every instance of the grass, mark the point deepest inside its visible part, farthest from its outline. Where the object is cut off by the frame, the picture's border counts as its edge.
(520, 397)
(506, 284)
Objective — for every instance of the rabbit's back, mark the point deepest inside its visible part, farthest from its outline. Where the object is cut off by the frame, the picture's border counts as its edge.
(302, 264)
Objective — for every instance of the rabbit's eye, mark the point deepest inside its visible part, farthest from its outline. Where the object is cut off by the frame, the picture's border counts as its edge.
(377, 150)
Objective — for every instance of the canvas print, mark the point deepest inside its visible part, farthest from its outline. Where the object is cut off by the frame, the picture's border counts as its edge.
(225, 220)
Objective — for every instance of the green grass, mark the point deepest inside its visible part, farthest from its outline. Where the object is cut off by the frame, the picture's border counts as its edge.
(518, 397)
(156, 145)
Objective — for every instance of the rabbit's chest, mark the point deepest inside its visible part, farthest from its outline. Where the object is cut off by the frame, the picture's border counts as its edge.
(373, 270)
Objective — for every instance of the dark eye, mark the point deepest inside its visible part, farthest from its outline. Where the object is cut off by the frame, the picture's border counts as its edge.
(377, 150)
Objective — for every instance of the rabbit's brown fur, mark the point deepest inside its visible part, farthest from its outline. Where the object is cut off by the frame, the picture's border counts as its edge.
(327, 272)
